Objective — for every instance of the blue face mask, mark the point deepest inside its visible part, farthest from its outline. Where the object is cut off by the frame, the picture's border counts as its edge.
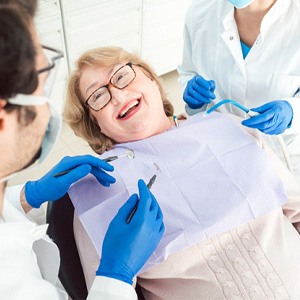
(240, 3)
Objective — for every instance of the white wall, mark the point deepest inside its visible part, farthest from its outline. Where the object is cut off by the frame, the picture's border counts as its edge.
(152, 28)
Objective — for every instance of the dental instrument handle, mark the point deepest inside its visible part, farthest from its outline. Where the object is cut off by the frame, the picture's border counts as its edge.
(149, 185)
(111, 158)
(252, 113)
(108, 159)
(63, 173)
(207, 112)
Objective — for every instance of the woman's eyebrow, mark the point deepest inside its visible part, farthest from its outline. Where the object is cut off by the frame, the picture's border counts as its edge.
(91, 86)
(110, 72)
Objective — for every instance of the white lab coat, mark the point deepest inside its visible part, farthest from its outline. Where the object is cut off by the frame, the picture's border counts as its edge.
(29, 260)
(271, 70)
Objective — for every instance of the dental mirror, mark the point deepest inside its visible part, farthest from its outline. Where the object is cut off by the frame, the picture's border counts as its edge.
(129, 153)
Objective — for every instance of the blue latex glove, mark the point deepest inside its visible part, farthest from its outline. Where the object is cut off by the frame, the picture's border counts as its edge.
(50, 188)
(274, 117)
(127, 247)
(199, 92)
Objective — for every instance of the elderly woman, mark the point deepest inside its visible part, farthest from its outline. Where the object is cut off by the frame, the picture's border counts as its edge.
(89, 118)
(232, 229)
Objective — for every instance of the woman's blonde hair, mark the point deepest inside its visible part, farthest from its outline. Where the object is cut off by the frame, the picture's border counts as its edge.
(78, 116)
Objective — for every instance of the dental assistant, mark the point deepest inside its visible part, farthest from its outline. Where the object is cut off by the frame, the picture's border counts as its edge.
(29, 259)
(247, 51)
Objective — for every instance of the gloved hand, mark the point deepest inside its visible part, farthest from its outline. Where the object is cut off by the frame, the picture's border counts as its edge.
(274, 117)
(199, 92)
(127, 247)
(50, 188)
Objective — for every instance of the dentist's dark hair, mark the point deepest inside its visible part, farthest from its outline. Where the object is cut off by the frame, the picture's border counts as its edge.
(29, 6)
(17, 53)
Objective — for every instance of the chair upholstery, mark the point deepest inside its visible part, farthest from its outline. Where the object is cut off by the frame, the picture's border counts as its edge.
(60, 216)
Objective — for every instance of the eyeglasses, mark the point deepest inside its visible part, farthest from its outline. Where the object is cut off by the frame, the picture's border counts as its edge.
(52, 55)
(120, 80)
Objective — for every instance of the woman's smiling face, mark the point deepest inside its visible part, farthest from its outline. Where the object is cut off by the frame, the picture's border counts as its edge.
(134, 112)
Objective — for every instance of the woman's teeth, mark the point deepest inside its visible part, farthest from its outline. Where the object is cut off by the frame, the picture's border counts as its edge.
(125, 111)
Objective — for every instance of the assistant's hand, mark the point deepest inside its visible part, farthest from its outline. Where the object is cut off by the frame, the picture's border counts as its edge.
(274, 117)
(199, 92)
(127, 247)
(50, 188)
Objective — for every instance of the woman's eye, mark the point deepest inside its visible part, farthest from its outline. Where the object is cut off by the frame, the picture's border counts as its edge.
(119, 77)
(97, 96)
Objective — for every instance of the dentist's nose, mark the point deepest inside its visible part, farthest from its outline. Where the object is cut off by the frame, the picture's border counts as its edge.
(118, 95)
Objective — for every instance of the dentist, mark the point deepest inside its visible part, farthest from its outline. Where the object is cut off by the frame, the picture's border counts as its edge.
(28, 128)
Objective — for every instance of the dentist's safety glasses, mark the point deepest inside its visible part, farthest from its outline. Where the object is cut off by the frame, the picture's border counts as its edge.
(225, 101)
(53, 57)
(52, 131)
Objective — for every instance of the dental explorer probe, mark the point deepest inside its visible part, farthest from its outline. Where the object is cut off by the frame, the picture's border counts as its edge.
(149, 185)
(128, 153)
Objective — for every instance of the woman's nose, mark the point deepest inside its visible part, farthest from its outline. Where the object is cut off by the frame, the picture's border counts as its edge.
(118, 95)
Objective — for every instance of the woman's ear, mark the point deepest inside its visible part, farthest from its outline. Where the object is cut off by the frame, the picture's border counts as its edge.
(157, 85)
(154, 81)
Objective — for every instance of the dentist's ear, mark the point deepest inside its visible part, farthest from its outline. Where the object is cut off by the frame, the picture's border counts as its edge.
(2, 112)
(2, 103)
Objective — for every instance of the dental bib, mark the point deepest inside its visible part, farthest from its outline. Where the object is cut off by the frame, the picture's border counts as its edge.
(211, 177)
